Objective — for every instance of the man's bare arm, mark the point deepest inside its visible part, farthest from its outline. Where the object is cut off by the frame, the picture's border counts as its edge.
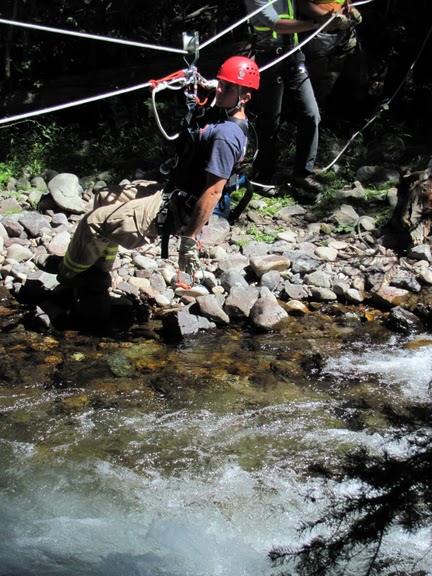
(205, 205)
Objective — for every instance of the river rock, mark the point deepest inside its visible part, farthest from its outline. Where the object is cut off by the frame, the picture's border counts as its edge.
(211, 309)
(267, 315)
(262, 264)
(181, 323)
(67, 193)
(240, 301)
(19, 253)
(401, 320)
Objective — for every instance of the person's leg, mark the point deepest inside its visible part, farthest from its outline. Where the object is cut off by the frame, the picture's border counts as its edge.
(268, 106)
(308, 119)
(88, 247)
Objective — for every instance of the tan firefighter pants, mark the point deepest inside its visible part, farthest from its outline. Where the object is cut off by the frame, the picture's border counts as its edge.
(122, 215)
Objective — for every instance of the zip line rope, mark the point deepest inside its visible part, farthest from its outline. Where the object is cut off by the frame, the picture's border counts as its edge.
(26, 115)
(180, 78)
(91, 99)
(92, 36)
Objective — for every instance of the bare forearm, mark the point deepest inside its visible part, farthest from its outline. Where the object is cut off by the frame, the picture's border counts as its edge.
(204, 206)
(287, 26)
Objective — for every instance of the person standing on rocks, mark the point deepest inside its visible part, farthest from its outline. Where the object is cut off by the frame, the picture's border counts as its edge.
(132, 215)
(275, 33)
(336, 51)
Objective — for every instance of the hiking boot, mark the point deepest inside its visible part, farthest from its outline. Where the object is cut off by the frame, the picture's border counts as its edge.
(307, 183)
(48, 263)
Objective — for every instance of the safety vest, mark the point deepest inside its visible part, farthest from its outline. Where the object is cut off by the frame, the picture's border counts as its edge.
(289, 15)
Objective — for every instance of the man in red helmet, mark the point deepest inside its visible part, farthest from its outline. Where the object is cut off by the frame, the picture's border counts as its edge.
(131, 215)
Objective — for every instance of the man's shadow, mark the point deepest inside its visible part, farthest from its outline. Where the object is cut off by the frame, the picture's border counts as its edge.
(76, 308)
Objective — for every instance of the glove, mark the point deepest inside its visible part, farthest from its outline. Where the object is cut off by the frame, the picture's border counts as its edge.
(340, 22)
(355, 16)
(189, 261)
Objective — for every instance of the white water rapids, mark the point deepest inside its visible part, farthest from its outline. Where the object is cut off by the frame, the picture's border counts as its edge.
(190, 491)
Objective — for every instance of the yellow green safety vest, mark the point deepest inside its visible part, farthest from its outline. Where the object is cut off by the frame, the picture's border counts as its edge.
(289, 15)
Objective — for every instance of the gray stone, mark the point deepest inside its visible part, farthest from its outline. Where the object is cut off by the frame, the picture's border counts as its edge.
(270, 279)
(420, 252)
(67, 192)
(294, 291)
(234, 262)
(319, 279)
(231, 278)
(240, 301)
(19, 253)
(211, 309)
(182, 323)
(255, 248)
(322, 294)
(59, 243)
(33, 222)
(262, 264)
(377, 174)
(267, 315)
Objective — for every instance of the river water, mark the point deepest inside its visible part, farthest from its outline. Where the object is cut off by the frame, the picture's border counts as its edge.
(144, 458)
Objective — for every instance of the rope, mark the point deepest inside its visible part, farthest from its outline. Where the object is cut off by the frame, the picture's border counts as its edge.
(71, 104)
(383, 105)
(92, 36)
(151, 83)
(309, 38)
(245, 19)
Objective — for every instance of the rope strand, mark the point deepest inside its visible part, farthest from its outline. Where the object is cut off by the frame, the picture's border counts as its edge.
(92, 36)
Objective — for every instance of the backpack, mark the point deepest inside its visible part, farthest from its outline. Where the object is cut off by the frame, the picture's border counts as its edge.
(175, 199)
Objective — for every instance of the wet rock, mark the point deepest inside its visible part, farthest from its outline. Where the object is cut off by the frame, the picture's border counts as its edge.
(181, 323)
(389, 296)
(296, 308)
(401, 320)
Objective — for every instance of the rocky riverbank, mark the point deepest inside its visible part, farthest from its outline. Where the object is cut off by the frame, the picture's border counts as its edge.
(274, 263)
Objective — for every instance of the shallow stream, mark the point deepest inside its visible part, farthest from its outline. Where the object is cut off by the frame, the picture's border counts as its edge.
(137, 457)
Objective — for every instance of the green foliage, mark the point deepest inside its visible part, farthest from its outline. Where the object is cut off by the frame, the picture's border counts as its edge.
(260, 236)
(343, 229)
(6, 172)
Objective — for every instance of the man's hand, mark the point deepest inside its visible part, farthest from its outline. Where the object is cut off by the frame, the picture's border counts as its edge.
(355, 16)
(189, 261)
(340, 22)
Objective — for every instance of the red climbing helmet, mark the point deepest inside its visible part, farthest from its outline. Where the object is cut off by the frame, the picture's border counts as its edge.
(240, 70)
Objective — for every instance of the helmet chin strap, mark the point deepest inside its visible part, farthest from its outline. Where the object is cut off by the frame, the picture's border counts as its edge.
(238, 106)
